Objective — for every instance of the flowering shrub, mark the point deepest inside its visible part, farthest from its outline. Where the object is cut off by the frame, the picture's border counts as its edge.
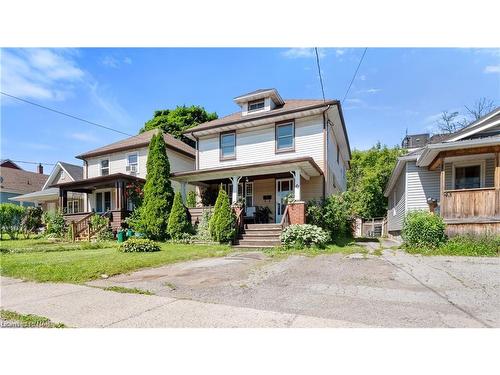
(134, 191)
(139, 245)
(304, 235)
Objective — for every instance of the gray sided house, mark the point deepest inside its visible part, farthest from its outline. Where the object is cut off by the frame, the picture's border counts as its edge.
(458, 174)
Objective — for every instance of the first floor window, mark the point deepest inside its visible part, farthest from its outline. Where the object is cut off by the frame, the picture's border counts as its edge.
(228, 145)
(104, 167)
(468, 177)
(73, 207)
(249, 194)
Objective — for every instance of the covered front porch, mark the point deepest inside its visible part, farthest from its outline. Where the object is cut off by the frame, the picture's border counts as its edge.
(469, 199)
(262, 189)
(105, 195)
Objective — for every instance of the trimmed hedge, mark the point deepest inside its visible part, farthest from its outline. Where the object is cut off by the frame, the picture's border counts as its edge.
(139, 245)
(178, 221)
(191, 199)
(423, 229)
(222, 224)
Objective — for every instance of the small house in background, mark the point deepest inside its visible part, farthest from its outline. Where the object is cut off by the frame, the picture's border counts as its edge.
(48, 197)
(455, 175)
(15, 181)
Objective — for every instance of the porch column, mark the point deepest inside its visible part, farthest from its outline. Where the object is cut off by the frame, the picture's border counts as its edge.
(235, 180)
(296, 184)
(442, 186)
(183, 191)
(63, 200)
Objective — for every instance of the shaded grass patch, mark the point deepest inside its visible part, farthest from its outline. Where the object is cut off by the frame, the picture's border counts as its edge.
(29, 320)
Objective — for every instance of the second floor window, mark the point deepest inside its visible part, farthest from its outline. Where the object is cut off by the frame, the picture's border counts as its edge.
(104, 167)
(132, 163)
(255, 105)
(284, 137)
(228, 146)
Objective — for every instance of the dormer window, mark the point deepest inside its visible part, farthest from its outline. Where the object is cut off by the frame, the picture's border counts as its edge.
(256, 105)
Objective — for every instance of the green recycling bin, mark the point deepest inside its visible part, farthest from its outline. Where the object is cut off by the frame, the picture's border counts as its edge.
(120, 236)
(130, 233)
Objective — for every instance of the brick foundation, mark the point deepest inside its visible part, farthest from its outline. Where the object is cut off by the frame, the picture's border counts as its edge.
(297, 212)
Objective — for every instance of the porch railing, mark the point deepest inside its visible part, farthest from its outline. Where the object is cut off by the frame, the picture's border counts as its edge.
(81, 225)
(285, 219)
(471, 203)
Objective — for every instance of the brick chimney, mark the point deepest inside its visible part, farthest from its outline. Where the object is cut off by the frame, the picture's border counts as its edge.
(39, 168)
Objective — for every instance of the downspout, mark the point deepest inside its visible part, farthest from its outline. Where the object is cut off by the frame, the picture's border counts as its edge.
(325, 153)
(197, 162)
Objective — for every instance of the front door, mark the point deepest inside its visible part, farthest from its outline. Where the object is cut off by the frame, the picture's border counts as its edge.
(283, 188)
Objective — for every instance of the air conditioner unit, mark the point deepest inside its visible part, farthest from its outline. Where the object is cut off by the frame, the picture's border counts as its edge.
(131, 168)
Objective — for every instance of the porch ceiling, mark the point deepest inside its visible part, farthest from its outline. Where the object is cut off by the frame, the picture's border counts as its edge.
(307, 166)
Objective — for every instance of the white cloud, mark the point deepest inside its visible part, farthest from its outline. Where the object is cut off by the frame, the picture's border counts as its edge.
(110, 62)
(39, 73)
(85, 137)
(362, 77)
(339, 52)
(369, 91)
(492, 69)
(354, 101)
(296, 53)
(127, 60)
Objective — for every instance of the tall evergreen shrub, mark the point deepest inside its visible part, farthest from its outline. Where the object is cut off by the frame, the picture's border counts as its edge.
(222, 224)
(178, 222)
(158, 193)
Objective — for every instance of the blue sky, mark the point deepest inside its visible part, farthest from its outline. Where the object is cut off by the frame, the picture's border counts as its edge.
(395, 89)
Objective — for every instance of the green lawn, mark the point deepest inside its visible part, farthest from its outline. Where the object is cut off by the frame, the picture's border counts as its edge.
(75, 263)
(341, 246)
(29, 320)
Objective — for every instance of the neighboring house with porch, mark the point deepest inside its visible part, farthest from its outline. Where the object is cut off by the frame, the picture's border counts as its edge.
(15, 181)
(48, 197)
(271, 149)
(457, 176)
(110, 170)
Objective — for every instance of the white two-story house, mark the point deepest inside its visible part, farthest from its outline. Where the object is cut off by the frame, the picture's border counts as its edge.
(110, 171)
(270, 149)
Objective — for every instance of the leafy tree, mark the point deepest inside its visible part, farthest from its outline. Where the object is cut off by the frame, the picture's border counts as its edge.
(32, 220)
(178, 221)
(222, 224)
(175, 121)
(11, 216)
(367, 179)
(158, 192)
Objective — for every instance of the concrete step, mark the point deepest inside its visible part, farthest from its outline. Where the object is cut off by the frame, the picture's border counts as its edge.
(258, 242)
(263, 226)
(265, 230)
(252, 246)
(261, 234)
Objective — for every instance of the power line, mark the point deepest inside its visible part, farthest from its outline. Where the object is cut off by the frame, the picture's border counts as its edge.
(65, 114)
(31, 162)
(319, 73)
(354, 76)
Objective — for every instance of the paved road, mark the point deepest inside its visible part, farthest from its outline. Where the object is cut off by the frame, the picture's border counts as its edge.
(392, 290)
(251, 290)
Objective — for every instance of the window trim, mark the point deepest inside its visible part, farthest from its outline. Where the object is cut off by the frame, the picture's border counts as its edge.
(221, 156)
(136, 163)
(100, 167)
(471, 163)
(287, 149)
(263, 100)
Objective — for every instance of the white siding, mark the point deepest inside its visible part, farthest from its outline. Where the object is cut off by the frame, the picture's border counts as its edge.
(118, 162)
(257, 145)
(396, 211)
(421, 184)
(336, 172)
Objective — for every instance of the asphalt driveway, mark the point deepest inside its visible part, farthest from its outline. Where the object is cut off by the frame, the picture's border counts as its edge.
(392, 290)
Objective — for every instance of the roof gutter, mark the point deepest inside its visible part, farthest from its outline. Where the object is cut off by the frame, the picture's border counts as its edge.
(262, 117)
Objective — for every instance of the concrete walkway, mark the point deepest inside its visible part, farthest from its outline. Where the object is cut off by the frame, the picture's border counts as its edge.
(85, 306)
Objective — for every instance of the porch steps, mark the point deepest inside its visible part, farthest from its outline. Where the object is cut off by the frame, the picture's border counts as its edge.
(259, 236)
